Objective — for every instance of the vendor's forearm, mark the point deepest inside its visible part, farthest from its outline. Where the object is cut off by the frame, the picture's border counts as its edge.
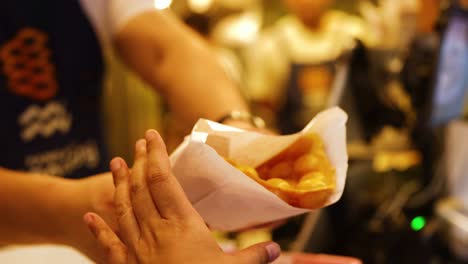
(178, 63)
(33, 208)
(200, 85)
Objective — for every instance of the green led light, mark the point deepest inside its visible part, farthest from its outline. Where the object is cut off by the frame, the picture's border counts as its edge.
(418, 223)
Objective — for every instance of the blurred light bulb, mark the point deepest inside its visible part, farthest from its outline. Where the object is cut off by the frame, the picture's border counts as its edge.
(246, 28)
(200, 6)
(237, 29)
(162, 4)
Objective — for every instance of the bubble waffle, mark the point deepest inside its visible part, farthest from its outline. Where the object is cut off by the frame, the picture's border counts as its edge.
(301, 175)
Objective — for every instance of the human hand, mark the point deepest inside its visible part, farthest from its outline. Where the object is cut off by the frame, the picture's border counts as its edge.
(94, 193)
(157, 222)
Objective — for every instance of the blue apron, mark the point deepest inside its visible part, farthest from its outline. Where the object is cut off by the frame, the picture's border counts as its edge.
(50, 82)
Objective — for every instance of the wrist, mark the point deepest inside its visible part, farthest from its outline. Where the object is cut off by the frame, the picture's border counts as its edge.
(56, 211)
(245, 125)
(242, 119)
(91, 194)
(69, 212)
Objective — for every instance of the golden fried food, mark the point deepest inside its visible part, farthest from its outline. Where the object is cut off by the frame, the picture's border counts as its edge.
(301, 175)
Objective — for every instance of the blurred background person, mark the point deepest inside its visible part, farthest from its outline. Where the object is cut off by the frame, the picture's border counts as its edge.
(295, 66)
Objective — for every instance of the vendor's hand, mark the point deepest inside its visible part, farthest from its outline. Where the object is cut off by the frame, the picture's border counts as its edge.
(263, 130)
(157, 222)
(249, 127)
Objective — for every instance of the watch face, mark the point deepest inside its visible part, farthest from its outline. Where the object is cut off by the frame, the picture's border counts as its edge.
(452, 74)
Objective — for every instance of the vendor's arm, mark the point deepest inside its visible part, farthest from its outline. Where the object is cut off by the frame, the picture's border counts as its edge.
(46, 209)
(179, 64)
(31, 206)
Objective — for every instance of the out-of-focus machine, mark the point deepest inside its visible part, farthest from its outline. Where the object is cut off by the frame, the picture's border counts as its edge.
(449, 97)
(392, 213)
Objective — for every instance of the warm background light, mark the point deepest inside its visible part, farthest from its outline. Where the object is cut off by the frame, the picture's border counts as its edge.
(200, 6)
(162, 4)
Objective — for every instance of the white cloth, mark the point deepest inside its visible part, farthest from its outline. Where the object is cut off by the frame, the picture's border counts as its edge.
(109, 16)
(42, 254)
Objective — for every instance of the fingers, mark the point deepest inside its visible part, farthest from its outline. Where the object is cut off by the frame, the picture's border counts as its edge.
(167, 194)
(116, 251)
(129, 230)
(260, 253)
(142, 202)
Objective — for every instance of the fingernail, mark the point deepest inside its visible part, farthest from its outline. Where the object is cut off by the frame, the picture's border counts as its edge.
(141, 144)
(151, 134)
(115, 165)
(273, 251)
(89, 219)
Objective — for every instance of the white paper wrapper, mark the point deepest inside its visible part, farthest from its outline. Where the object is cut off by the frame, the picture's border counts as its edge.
(225, 197)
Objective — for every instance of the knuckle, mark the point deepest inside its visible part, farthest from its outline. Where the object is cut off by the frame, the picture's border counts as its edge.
(122, 209)
(136, 188)
(115, 246)
(158, 176)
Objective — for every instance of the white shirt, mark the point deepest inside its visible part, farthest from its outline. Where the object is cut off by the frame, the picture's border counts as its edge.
(109, 16)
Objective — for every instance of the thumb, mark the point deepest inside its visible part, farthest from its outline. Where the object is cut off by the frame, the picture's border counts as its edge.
(261, 253)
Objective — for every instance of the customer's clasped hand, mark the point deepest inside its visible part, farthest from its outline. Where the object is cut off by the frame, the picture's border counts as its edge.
(157, 223)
